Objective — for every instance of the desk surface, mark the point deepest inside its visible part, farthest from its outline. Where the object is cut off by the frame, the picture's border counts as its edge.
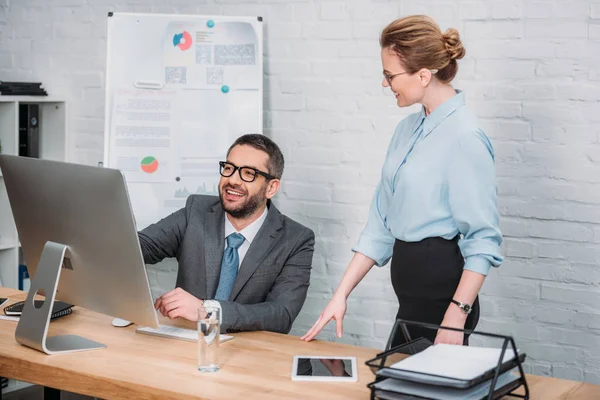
(255, 365)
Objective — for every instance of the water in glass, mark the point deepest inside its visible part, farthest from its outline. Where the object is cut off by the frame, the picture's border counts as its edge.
(208, 339)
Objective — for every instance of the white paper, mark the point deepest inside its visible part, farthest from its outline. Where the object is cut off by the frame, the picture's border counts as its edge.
(453, 361)
(141, 141)
(439, 392)
(222, 56)
(208, 72)
(203, 118)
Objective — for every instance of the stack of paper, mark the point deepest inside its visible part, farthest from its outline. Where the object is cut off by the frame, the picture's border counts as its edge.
(446, 371)
(454, 361)
(392, 389)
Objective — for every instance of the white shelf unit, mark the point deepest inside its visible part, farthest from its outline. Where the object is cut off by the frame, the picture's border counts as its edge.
(53, 146)
(14, 385)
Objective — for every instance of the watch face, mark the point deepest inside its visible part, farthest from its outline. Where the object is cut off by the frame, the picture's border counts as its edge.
(467, 308)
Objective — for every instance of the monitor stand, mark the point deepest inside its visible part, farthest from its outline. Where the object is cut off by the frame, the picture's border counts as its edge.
(32, 329)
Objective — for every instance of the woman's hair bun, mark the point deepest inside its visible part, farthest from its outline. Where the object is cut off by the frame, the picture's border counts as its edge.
(453, 44)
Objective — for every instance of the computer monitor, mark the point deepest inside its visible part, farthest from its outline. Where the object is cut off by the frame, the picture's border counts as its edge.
(83, 213)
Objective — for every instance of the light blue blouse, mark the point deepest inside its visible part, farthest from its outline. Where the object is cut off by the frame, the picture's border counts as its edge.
(438, 179)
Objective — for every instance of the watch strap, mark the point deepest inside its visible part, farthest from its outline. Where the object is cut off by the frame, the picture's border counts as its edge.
(465, 307)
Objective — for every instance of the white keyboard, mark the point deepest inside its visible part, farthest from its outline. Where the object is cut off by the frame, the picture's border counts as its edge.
(174, 332)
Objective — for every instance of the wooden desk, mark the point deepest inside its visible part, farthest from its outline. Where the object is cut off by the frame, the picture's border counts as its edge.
(255, 365)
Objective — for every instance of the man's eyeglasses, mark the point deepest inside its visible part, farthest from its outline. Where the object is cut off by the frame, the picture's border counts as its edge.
(248, 174)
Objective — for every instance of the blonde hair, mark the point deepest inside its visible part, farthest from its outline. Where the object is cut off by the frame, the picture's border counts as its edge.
(419, 43)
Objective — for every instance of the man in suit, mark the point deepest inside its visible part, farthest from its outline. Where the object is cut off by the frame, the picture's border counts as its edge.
(236, 251)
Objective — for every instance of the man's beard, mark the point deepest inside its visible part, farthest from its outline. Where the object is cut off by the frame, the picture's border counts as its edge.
(248, 208)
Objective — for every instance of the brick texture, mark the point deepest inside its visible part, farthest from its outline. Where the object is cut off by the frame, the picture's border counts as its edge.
(531, 75)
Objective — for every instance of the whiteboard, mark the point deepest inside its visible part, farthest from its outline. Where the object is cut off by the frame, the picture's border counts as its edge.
(179, 90)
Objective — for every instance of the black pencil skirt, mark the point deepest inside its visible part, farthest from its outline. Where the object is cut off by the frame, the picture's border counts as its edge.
(425, 276)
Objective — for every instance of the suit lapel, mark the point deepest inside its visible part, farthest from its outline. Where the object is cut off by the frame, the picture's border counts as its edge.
(268, 235)
(214, 244)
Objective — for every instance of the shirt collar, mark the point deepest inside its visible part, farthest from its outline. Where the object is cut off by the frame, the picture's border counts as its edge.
(443, 111)
(248, 232)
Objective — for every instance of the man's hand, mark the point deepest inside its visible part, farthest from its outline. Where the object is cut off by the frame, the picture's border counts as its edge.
(178, 304)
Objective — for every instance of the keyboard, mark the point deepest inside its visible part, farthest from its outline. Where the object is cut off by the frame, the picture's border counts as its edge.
(173, 332)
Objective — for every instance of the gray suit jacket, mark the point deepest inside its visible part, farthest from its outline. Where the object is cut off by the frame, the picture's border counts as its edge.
(272, 281)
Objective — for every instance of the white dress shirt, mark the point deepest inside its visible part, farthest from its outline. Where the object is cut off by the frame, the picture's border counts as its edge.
(249, 233)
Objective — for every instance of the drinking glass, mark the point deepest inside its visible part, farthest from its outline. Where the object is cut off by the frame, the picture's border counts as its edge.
(208, 338)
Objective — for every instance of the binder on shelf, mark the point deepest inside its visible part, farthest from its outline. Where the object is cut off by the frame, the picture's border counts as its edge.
(29, 137)
(403, 371)
(24, 280)
(22, 89)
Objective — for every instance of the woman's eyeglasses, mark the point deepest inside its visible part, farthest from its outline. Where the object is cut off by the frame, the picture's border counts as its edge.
(389, 78)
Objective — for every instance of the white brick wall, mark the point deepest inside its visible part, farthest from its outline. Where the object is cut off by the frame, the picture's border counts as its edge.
(531, 74)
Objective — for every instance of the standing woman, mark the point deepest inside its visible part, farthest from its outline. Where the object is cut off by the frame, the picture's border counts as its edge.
(434, 211)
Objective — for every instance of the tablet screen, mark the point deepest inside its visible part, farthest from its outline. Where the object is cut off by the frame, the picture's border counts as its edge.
(324, 367)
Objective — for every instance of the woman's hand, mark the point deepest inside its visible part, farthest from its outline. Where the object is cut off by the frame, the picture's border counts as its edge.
(466, 292)
(454, 318)
(335, 366)
(336, 309)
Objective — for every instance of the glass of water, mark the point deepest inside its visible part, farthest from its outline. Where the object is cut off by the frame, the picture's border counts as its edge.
(209, 327)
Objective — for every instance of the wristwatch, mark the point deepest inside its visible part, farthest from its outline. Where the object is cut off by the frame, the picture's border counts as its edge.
(465, 307)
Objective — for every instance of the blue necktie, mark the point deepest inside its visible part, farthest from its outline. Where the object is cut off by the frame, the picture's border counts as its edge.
(229, 266)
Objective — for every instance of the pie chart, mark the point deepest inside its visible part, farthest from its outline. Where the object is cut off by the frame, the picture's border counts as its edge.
(182, 40)
(149, 164)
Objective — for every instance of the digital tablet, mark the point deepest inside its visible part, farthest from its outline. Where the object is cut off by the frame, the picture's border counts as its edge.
(324, 369)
